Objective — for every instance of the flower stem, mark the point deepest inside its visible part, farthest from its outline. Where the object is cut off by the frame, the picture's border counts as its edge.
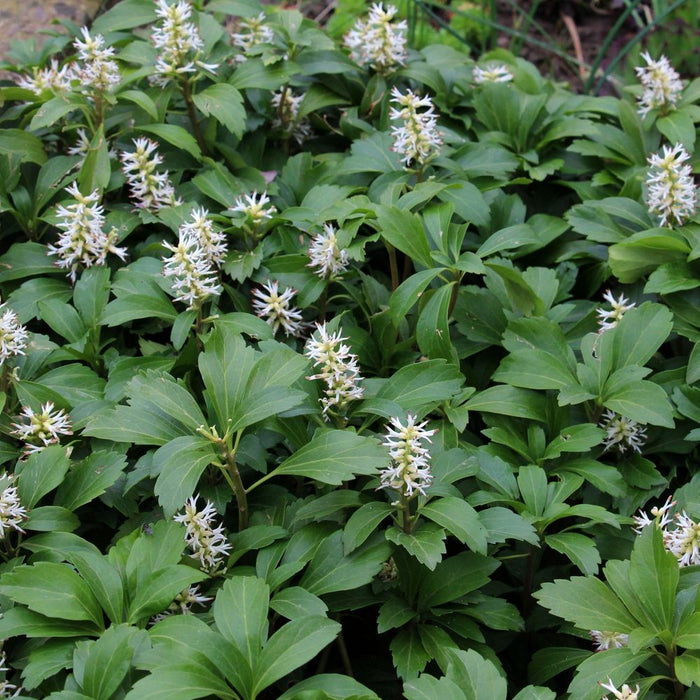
(192, 114)
(393, 266)
(406, 522)
(235, 481)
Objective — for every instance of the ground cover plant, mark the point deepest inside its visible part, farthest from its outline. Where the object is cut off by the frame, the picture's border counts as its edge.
(341, 369)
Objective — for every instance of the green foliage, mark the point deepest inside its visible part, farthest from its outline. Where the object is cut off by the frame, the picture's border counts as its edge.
(313, 415)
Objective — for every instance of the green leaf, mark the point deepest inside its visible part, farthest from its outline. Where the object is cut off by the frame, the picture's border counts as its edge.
(240, 612)
(141, 99)
(159, 588)
(26, 260)
(405, 232)
(459, 519)
(432, 328)
(363, 522)
(89, 478)
(334, 456)
(372, 154)
(42, 472)
(532, 482)
(179, 464)
(125, 15)
(640, 333)
(21, 147)
(184, 681)
(329, 686)
(63, 319)
(616, 664)
(426, 687)
(22, 621)
(426, 543)
(175, 135)
(678, 127)
(587, 602)
(409, 291)
(502, 524)
(654, 578)
(581, 550)
(507, 400)
(421, 384)
(107, 662)
(575, 438)
(46, 661)
(223, 102)
(687, 668)
(296, 602)
(54, 590)
(51, 519)
(96, 168)
(160, 409)
(642, 401)
(394, 612)
(476, 676)
(104, 580)
(408, 653)
(549, 662)
(329, 504)
(454, 577)
(291, 647)
(330, 570)
(688, 634)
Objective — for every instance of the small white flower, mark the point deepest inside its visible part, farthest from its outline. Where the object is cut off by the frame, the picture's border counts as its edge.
(418, 137)
(661, 83)
(609, 640)
(251, 32)
(52, 78)
(492, 74)
(610, 319)
(339, 369)
(409, 472)
(622, 432)
(82, 240)
(13, 335)
(151, 190)
(182, 605)
(377, 42)
(661, 516)
(326, 256)
(12, 512)
(209, 544)
(625, 693)
(274, 307)
(255, 207)
(178, 43)
(97, 71)
(286, 119)
(671, 191)
(39, 430)
(683, 541)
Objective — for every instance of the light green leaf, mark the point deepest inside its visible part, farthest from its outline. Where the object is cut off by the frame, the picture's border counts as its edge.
(426, 543)
(642, 401)
(363, 522)
(175, 135)
(184, 681)
(107, 662)
(687, 668)
(509, 401)
(296, 602)
(532, 482)
(42, 472)
(581, 550)
(587, 602)
(54, 590)
(291, 647)
(502, 524)
(459, 519)
(405, 232)
(640, 333)
(223, 102)
(332, 686)
(104, 580)
(334, 456)
(476, 676)
(89, 478)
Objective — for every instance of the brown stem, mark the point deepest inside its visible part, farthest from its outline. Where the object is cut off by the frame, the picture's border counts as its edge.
(393, 266)
(238, 488)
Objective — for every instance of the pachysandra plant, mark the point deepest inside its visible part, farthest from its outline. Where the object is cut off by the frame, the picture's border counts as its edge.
(335, 364)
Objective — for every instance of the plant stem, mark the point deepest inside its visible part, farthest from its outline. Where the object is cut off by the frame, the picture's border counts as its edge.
(235, 481)
(192, 114)
(393, 266)
(406, 523)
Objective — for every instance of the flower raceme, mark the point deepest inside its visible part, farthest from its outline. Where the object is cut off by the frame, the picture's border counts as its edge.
(13, 335)
(671, 192)
(681, 534)
(178, 43)
(250, 32)
(610, 319)
(418, 137)
(378, 42)
(97, 71)
(661, 83)
(328, 259)
(624, 693)
(39, 430)
(492, 74)
(207, 542)
(275, 308)
(608, 640)
(82, 240)
(12, 512)
(410, 471)
(622, 433)
(254, 207)
(195, 260)
(338, 369)
(149, 189)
